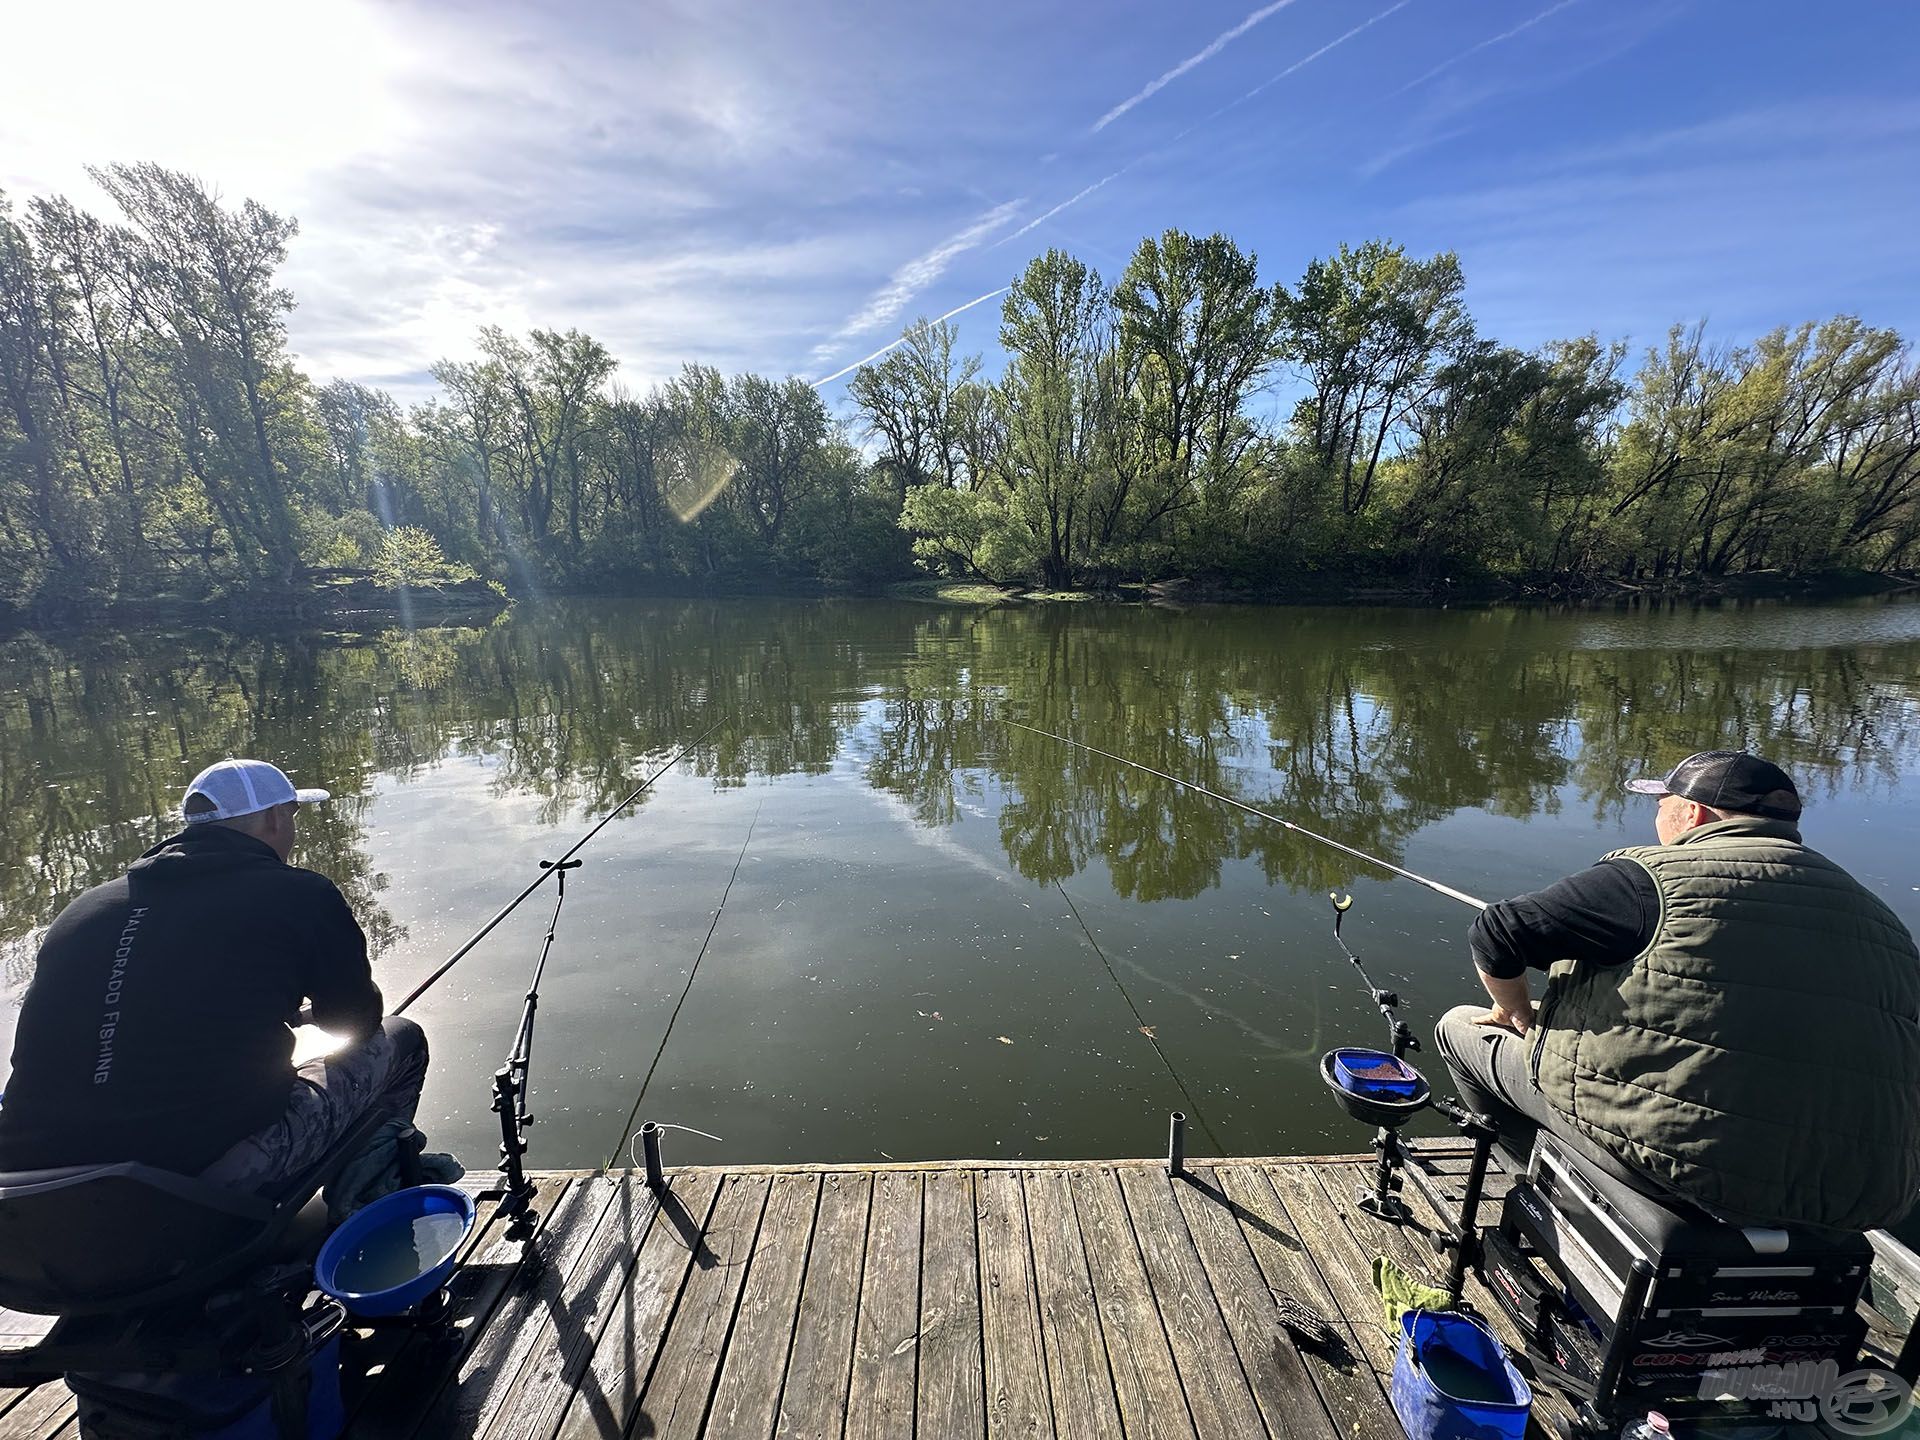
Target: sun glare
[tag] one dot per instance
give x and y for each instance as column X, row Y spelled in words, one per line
column 256, row 97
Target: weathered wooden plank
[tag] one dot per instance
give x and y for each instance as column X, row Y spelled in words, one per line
column 1079, row 1381
column 951, row 1396
column 19, row 1329
column 1275, row 1372
column 1145, row 1383
column 630, row 1277
column 1347, row 1269
column 747, row 1399
column 1203, row 1353
column 563, row 1339
column 458, row 1392
column 41, row 1411
column 1894, row 1288
column 886, row 1348
column 813, row 1401
column 399, row 1371
column 674, row 1403
column 1015, row 1355
column 1347, row 1384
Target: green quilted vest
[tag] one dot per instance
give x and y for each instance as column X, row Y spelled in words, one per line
column 1761, row 1056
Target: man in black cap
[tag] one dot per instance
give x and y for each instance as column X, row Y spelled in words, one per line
column 1729, row 1017
column 157, row 1024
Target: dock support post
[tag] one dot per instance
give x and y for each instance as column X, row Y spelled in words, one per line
column 650, row 1147
column 1177, row 1145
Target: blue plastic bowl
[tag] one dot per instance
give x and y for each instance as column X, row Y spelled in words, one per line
column 395, row 1212
column 1375, row 1073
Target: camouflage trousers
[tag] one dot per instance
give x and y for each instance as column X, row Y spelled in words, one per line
column 385, row 1072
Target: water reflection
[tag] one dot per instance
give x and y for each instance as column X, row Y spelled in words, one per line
column 1367, row 725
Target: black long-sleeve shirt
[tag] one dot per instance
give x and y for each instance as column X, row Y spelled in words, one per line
column 1605, row 914
column 156, row 1025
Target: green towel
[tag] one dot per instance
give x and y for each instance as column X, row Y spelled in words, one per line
column 1400, row 1292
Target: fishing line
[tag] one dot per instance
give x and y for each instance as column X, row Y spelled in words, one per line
column 1193, row 1106
column 1433, row 885
column 547, row 870
column 688, row 988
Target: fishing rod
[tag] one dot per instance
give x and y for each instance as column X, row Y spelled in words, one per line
column 547, row 869
column 1433, row 885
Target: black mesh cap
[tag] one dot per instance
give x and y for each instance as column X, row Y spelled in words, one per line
column 1729, row 780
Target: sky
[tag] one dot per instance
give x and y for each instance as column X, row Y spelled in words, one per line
column 781, row 187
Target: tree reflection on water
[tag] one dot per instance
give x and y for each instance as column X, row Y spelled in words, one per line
column 1367, row 725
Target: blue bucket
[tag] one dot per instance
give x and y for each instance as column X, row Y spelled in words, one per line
column 397, row 1251
column 1452, row 1381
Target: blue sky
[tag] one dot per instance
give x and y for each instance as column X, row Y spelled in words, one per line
column 781, row 186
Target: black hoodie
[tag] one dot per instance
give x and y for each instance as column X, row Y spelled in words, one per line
column 156, row 1025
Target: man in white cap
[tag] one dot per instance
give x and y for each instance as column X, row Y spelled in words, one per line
column 157, row 1024
column 1730, row 1018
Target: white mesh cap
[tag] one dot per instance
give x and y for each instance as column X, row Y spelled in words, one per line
column 242, row 787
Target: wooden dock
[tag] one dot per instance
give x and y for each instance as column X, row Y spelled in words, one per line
column 1070, row 1299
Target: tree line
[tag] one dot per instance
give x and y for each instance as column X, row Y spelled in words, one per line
column 157, row 437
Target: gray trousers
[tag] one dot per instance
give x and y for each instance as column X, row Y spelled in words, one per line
column 384, row 1071
column 1489, row 1069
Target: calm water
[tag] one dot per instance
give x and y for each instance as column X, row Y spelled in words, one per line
column 397, row 1253
column 940, row 929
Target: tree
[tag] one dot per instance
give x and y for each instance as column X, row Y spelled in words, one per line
column 1205, row 333
column 1369, row 329
column 920, row 401
column 42, row 506
column 1050, row 327
column 778, row 430
column 207, row 295
column 551, row 383
column 1504, row 465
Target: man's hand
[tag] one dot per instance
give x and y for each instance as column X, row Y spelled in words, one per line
column 1520, row 1020
column 1512, row 1005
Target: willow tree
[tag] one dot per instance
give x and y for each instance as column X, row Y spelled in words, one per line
column 208, row 297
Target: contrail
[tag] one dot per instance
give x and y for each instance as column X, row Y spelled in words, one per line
column 908, row 335
column 1476, row 49
column 1225, row 39
column 1330, row 45
column 913, row 277
column 1299, row 64
column 1064, row 204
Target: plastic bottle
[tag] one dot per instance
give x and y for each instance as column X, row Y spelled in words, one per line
column 1652, row 1427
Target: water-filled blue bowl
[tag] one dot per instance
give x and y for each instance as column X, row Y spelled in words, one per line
column 388, row 1223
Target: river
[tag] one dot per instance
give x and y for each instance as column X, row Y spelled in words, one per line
column 942, row 936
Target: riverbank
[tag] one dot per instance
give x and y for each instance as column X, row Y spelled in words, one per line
column 344, row 597
column 326, row 598
column 1319, row 588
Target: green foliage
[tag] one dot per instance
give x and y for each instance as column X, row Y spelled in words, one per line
column 410, row 559
column 156, row 439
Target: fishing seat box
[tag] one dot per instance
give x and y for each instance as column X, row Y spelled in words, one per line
column 1675, row 1294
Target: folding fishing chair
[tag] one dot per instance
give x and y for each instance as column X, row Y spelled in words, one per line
column 154, row 1273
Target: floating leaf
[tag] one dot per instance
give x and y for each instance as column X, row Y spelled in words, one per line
column 1147, row 1030
column 1003, row 1040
